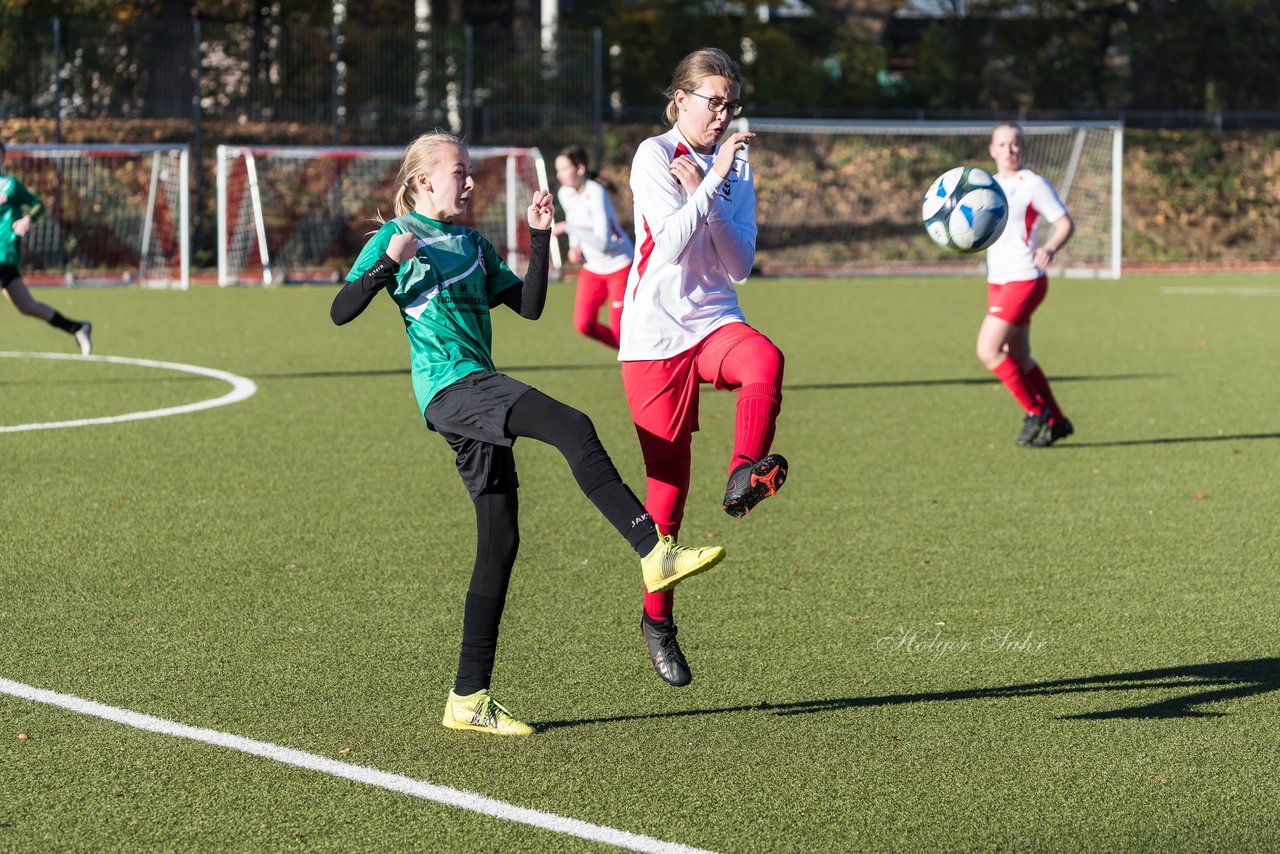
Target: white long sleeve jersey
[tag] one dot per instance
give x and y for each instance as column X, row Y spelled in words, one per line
column 692, row 248
column 594, row 228
column 1030, row 198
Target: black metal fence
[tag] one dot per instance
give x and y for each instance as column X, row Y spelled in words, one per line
column 368, row 85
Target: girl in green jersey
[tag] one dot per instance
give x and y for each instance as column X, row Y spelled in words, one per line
column 18, row 207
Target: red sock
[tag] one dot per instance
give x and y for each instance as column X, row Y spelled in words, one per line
column 659, row 605
column 1010, row 374
column 666, row 488
column 756, row 422
column 1039, row 384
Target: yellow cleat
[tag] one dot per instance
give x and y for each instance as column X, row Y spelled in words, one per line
column 670, row 563
column 482, row 713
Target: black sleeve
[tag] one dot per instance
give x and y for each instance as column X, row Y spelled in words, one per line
column 354, row 297
column 530, row 298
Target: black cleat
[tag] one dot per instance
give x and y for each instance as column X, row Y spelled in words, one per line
column 752, row 483
column 1059, row 428
column 1032, row 426
column 665, row 652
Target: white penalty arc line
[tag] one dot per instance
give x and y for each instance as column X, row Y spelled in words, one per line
column 242, row 388
column 458, row 798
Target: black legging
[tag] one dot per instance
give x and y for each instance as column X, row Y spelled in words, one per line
column 536, row 416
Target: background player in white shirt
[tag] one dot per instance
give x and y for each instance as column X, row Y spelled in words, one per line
column 596, row 241
column 681, row 323
column 1017, row 284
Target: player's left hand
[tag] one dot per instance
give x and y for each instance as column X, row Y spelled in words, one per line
column 22, row 226
column 1042, row 257
column 729, row 149
column 541, row 210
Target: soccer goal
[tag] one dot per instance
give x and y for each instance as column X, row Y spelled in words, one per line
column 845, row 196
column 113, row 214
column 301, row 214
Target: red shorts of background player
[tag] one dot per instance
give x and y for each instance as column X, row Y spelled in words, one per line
column 1014, row 302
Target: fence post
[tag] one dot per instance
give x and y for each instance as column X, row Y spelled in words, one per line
column 335, row 48
column 597, row 101
column 57, row 80
column 197, row 132
column 468, row 82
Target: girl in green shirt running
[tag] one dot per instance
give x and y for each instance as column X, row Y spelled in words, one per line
column 18, row 207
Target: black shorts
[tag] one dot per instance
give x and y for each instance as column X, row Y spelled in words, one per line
column 471, row 415
column 8, row 273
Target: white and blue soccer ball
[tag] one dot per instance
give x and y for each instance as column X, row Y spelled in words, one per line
column 965, row 210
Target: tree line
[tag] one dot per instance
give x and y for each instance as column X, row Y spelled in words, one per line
column 827, row 55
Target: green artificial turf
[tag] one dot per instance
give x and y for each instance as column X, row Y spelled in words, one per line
column 931, row 639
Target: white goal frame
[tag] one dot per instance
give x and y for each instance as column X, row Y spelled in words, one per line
column 80, row 199
column 243, row 223
column 1105, row 224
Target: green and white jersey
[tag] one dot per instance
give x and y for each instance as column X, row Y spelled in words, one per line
column 16, row 198
column 444, row 293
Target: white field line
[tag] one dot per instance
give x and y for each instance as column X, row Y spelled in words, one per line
column 457, row 798
column 1189, row 291
column 242, row 388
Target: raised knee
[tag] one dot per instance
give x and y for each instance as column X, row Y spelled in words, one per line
column 989, row 356
column 581, row 426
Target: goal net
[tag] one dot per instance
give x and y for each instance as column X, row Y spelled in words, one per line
column 302, row 214
column 112, row 214
column 845, row 196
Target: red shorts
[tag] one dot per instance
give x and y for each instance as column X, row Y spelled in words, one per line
column 1014, row 302
column 663, row 393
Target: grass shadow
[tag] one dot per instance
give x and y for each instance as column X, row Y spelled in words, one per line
column 1204, row 684
column 1169, row 440
column 979, row 381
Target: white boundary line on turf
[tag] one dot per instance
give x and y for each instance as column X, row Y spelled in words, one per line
column 242, row 388
column 1188, row 291
column 460, row 799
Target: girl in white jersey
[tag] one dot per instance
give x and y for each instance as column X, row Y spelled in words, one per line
column 445, row 278
column 1017, row 284
column 681, row 323
column 596, row 241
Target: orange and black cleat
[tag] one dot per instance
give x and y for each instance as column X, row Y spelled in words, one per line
column 752, row 483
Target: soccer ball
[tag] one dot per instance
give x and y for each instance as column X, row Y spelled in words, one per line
column 965, row 210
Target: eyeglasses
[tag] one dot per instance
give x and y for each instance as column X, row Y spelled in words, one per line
column 716, row 104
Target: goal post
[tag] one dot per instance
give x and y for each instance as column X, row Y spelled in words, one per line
column 839, row 197
column 113, row 214
column 294, row 214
